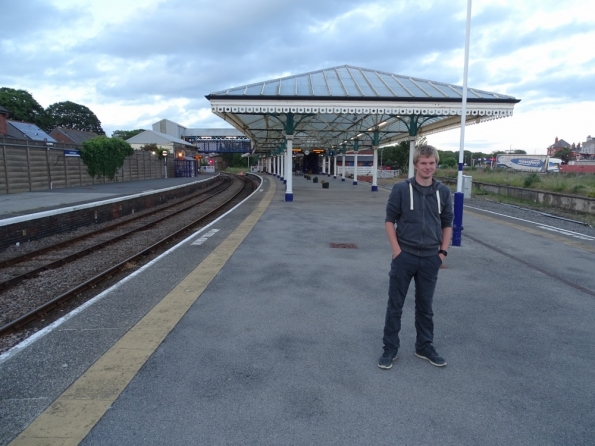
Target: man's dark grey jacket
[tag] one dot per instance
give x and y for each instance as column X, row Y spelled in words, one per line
column 420, row 214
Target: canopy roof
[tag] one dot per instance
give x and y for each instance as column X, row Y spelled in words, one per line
column 153, row 137
column 336, row 106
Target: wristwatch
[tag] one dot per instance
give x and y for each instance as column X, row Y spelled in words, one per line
column 443, row 252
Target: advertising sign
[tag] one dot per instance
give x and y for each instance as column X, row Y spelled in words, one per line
column 526, row 163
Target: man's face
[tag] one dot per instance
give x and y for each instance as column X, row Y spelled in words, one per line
column 426, row 166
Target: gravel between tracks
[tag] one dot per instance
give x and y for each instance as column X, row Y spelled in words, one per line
column 555, row 218
column 34, row 292
column 47, row 284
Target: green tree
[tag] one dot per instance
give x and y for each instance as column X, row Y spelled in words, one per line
column 449, row 162
column 397, row 156
column 103, row 156
column 563, row 154
column 126, row 134
column 23, row 107
column 234, row 159
column 514, row 152
column 227, row 159
column 74, row 116
column 154, row 148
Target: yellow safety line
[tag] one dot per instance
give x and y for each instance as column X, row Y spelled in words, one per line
column 69, row 419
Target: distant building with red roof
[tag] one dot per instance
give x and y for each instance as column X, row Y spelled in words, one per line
column 559, row 144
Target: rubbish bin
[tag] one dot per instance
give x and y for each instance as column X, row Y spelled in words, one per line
column 467, row 186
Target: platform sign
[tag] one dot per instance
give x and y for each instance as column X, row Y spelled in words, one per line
column 72, row 153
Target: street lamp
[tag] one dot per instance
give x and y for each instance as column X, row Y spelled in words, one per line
column 164, row 154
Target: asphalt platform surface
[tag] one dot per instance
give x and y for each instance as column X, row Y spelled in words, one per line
column 12, row 205
column 281, row 347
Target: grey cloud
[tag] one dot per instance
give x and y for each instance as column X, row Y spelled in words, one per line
column 25, row 20
column 207, row 48
column 228, row 28
column 191, row 49
column 519, row 38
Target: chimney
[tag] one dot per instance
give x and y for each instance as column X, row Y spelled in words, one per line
column 3, row 118
column 556, row 140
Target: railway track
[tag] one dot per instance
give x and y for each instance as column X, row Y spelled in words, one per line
column 33, row 285
column 30, row 264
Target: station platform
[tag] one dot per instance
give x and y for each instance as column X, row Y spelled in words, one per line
column 266, row 327
column 26, row 203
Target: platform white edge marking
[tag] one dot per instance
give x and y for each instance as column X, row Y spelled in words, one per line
column 37, row 215
column 41, row 333
column 541, row 225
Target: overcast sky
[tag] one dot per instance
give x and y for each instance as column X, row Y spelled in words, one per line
column 135, row 62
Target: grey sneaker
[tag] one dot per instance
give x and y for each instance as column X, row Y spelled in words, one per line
column 387, row 359
column 431, row 355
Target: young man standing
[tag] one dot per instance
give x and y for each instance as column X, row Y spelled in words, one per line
column 421, row 208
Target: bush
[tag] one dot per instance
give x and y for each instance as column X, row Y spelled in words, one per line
column 104, row 156
column 531, row 179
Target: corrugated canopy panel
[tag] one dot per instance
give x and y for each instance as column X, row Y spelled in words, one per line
column 336, row 106
column 353, row 82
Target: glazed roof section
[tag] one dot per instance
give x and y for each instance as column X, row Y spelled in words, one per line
column 356, row 83
column 341, row 105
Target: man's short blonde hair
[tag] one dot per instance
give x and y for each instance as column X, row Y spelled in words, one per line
column 425, row 150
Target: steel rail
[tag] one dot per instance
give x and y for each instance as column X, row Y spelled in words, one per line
column 20, row 258
column 57, row 301
column 86, row 251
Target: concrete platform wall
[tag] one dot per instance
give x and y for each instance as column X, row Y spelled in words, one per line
column 60, row 222
column 553, row 199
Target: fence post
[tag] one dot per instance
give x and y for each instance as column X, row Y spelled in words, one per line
column 65, row 168
column 28, row 166
column 48, row 164
column 5, row 166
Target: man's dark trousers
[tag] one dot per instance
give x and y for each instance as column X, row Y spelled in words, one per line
column 424, row 271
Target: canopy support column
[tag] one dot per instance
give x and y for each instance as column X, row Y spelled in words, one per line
column 289, row 131
column 375, row 169
column 277, row 165
column 343, row 150
column 335, row 167
column 355, row 149
column 413, row 128
column 289, row 168
column 411, row 172
column 328, row 159
column 375, row 144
